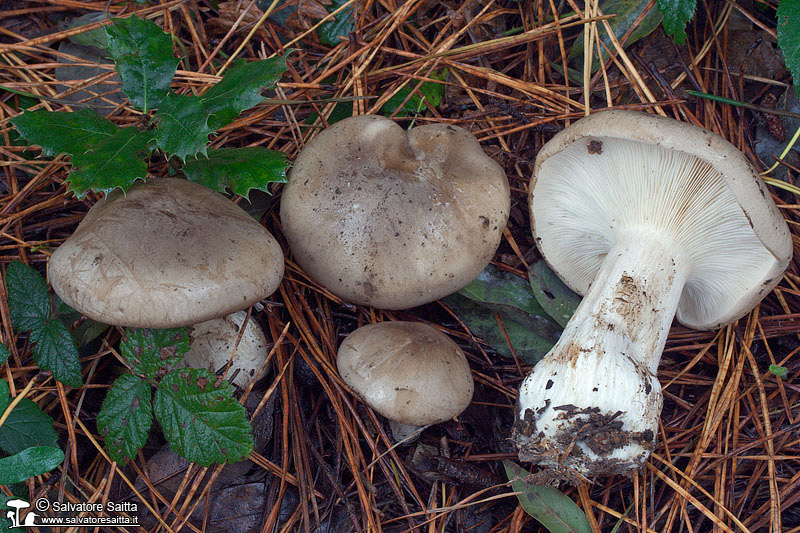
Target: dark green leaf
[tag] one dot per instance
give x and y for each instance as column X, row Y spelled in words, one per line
column 87, row 329
column 331, row 31
column 97, row 37
column 117, row 161
column 28, row 297
column 238, row 169
column 143, row 54
column 240, row 89
column 182, row 126
column 27, row 425
column 676, row 14
column 201, row 419
column 432, row 94
column 558, row 301
column 5, row 396
column 789, row 37
column 778, row 371
column 554, row 510
column 340, row 111
column 4, row 354
column 152, row 352
column 125, row 417
column 64, row 132
column 28, row 463
column 55, row 351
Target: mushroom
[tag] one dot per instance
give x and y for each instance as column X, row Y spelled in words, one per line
column 650, row 219
column 169, row 253
column 390, row 218
column 411, row 373
column 212, row 343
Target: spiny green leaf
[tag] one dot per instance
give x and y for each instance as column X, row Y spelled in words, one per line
column 117, row 161
column 182, row 126
column 125, row 417
column 340, row 26
column 432, row 94
column 240, row 89
column 55, row 350
column 143, row 55
column 64, row 132
column 4, row 354
column 554, row 510
column 789, row 37
column 28, row 463
column 238, row 169
column 676, row 14
column 778, row 371
column 27, row 425
column 558, row 301
column 28, row 297
column 152, row 352
column 201, row 419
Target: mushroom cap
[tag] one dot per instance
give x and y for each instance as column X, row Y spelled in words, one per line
column 212, row 344
column 618, row 169
column 169, row 253
column 409, row 372
column 390, row 218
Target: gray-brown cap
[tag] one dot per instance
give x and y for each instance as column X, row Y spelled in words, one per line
column 169, row 253
column 409, row 372
column 390, row 218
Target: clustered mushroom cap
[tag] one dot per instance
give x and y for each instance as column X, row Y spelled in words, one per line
column 408, row 372
column 168, row 253
column 390, row 218
column 620, row 169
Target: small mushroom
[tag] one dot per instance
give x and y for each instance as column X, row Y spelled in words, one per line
column 212, row 345
column 651, row 219
column 390, row 218
column 168, row 253
column 411, row 373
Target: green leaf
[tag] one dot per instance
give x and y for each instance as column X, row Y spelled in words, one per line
column 26, row 426
column 125, row 417
column 97, row 37
column 28, row 463
column 238, row 169
column 4, row 354
column 626, row 12
column 117, row 161
column 64, row 132
column 676, row 14
column 557, row 300
column 778, row 371
column 86, row 331
column 789, row 37
column 143, row 55
column 55, row 350
column 28, row 297
column 553, row 509
column 5, row 396
column 240, row 89
column 182, row 126
column 432, row 94
column 201, row 419
column 340, row 26
column 153, row 352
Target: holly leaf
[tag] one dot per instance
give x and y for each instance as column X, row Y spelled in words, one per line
column 182, row 126
column 143, row 56
column 117, row 161
column 28, row 463
column 64, row 132
column 342, row 24
column 55, row 350
column 153, row 352
column 28, row 297
column 27, row 425
column 240, row 89
column 238, row 169
column 676, row 14
column 201, row 419
column 789, row 37
column 125, row 417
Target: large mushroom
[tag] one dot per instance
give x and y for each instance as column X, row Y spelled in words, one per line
column 651, row 219
column 390, row 218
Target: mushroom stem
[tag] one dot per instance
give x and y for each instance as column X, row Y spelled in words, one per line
column 591, row 406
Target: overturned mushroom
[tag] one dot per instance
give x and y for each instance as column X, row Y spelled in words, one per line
column 394, row 219
column 650, row 219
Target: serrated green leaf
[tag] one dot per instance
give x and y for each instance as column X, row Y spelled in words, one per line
column 340, row 26
column 86, row 331
column 26, row 426
column 125, row 417
column 63, row 132
column 182, row 126
column 28, row 463
column 28, row 297
column 778, row 371
column 553, row 509
column 432, row 94
column 55, row 350
column 152, row 352
column 788, row 16
column 143, row 55
column 626, row 12
column 676, row 14
column 117, row 161
column 240, row 89
column 238, row 169
column 201, row 419
column 4, row 354
column 557, row 300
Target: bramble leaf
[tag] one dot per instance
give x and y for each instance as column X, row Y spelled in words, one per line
column 28, row 463
column 182, row 126
column 143, row 55
column 27, row 425
column 117, row 161
column 789, row 37
column 201, row 419
column 64, row 132
column 28, row 297
column 676, row 14
column 153, row 352
column 55, row 350
column 340, row 26
column 125, row 417
column 238, row 169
